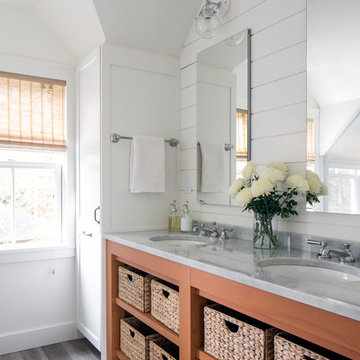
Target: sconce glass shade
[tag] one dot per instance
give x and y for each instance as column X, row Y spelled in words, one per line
column 207, row 23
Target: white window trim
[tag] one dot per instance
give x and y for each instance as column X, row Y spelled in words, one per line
column 38, row 253
column 33, row 67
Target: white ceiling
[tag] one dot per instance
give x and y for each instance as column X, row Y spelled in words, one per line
column 75, row 22
column 28, row 36
column 333, row 50
column 347, row 145
column 20, row 3
column 154, row 25
column 81, row 25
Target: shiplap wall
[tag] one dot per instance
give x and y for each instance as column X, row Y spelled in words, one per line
column 278, row 97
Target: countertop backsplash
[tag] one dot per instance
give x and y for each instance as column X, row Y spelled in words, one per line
column 290, row 240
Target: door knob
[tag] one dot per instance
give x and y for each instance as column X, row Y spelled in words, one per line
column 87, row 234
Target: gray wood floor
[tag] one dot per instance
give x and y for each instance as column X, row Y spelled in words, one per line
column 70, row 350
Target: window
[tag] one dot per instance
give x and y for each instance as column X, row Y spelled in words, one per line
column 310, row 152
column 241, row 140
column 32, row 127
column 344, row 188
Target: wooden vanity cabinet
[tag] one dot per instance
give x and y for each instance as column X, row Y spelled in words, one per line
column 196, row 288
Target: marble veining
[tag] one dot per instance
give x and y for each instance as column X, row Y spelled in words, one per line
column 240, row 262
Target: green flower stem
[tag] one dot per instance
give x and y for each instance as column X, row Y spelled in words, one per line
column 264, row 230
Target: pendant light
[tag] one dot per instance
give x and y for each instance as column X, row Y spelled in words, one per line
column 207, row 21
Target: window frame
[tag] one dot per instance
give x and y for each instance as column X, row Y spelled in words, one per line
column 59, row 199
column 48, row 69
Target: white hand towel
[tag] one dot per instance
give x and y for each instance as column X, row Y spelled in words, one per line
column 212, row 167
column 147, row 164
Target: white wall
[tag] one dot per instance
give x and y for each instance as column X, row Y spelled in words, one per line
column 139, row 97
column 37, row 308
column 278, row 94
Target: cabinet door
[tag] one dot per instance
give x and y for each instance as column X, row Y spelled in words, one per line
column 89, row 286
column 89, row 143
column 89, row 239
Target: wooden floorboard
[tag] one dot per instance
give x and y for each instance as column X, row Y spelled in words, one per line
column 70, row 350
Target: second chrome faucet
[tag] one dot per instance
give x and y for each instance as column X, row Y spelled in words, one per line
column 345, row 256
column 213, row 232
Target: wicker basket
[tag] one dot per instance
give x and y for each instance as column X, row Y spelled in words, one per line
column 230, row 335
column 134, row 287
column 165, row 303
column 135, row 337
column 163, row 349
column 290, row 347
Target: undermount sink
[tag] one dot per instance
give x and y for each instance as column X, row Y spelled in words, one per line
column 307, row 274
column 310, row 269
column 179, row 240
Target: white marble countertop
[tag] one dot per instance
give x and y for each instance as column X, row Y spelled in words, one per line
column 239, row 262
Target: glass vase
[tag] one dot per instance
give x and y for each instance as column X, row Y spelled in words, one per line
column 265, row 231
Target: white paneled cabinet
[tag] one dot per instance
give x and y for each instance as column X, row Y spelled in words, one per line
column 89, row 268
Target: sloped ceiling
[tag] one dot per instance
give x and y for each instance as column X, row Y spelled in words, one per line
column 75, row 22
column 26, row 35
column 154, row 25
column 82, row 25
column 63, row 31
column 333, row 50
column 21, row 3
column 347, row 145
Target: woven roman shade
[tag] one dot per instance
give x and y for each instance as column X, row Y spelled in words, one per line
column 310, row 153
column 242, row 134
column 32, row 111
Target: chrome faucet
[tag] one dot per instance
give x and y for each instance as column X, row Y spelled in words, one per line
column 224, row 235
column 345, row 256
column 208, row 232
column 197, row 227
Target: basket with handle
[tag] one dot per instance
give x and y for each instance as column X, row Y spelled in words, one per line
column 230, row 335
column 135, row 338
column 163, row 349
column 134, row 287
column 165, row 303
column 290, row 347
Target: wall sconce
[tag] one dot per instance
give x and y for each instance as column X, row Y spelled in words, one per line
column 207, row 21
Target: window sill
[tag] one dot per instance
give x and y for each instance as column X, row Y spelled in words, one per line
column 36, row 253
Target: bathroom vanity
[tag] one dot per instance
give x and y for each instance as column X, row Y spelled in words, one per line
column 236, row 277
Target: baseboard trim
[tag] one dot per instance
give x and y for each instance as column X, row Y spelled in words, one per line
column 89, row 335
column 36, row 337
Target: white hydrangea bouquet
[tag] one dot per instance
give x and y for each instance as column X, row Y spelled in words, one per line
column 271, row 193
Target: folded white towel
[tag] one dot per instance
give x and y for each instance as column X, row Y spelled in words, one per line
column 212, row 167
column 147, row 164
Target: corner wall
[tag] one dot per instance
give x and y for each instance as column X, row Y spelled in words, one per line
column 278, row 100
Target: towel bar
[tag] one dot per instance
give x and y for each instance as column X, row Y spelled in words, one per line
column 115, row 138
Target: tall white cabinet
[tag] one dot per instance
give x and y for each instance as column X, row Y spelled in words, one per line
column 129, row 92
column 88, row 200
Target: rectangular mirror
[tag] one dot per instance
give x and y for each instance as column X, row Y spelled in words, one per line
column 333, row 102
column 223, row 117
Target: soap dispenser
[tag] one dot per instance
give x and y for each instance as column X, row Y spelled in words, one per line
column 174, row 218
column 186, row 222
